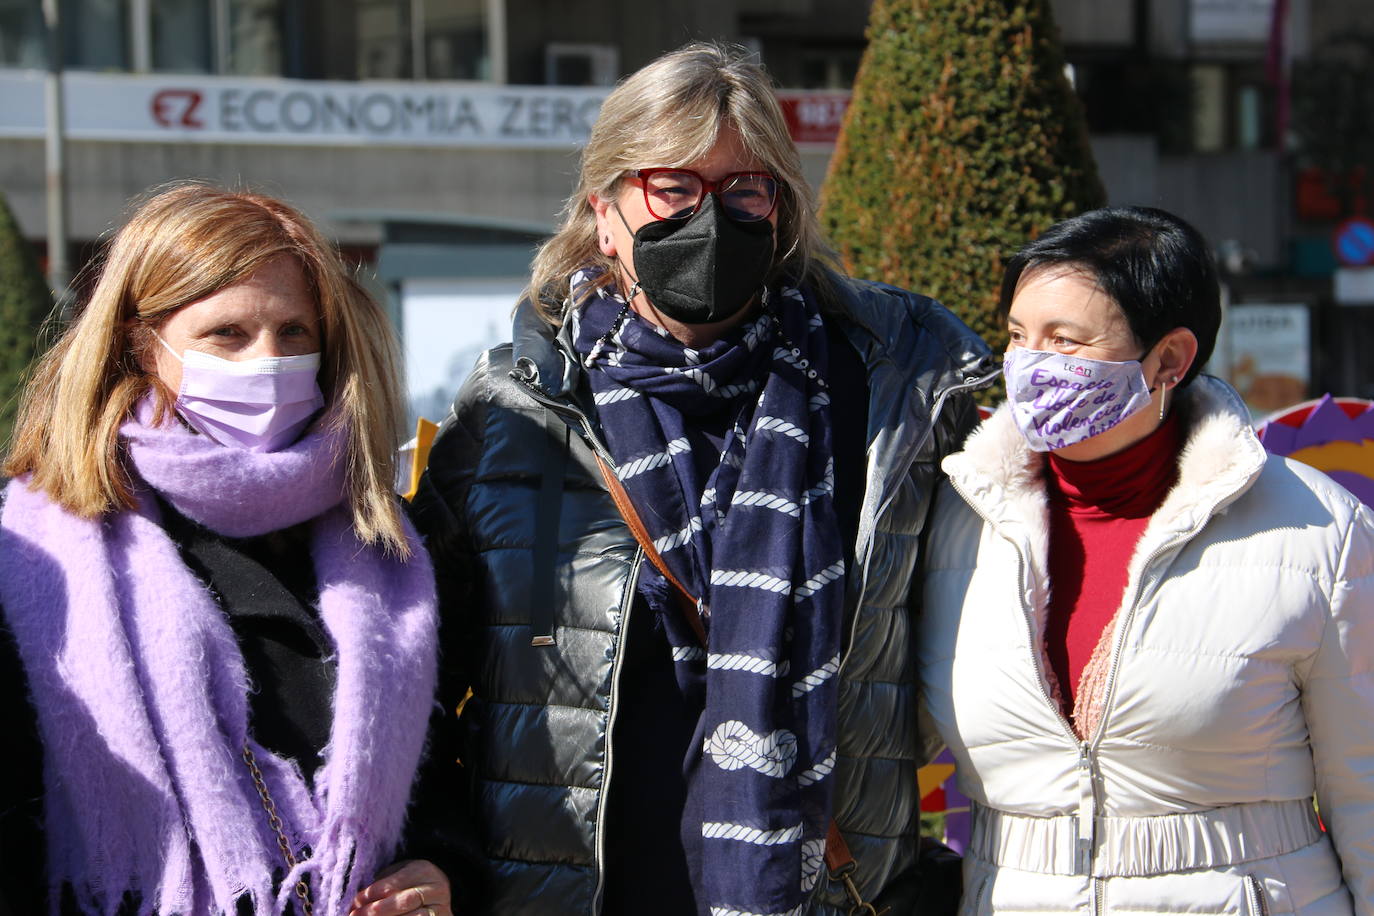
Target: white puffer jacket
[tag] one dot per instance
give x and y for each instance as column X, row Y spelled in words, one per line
column 1242, row 682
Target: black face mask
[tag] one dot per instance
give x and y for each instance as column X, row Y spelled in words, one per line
column 705, row 268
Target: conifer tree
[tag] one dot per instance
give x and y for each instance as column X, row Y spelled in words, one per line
column 963, row 140
column 24, row 305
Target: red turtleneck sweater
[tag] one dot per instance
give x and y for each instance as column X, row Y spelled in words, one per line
column 1098, row 511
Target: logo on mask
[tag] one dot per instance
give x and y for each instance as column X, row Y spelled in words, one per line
column 1058, row 401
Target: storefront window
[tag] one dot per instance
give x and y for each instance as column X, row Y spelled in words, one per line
column 455, row 40
column 180, row 31
column 21, row 34
column 422, row 39
column 383, row 39
column 255, row 37
column 347, row 39
column 1209, row 108
column 95, row 34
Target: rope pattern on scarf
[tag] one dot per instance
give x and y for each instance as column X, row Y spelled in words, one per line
column 751, row 663
column 751, row 530
column 734, row 745
column 713, row 830
column 816, row 678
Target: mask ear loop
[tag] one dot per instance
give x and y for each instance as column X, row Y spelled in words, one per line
column 168, row 347
column 635, row 287
column 604, row 340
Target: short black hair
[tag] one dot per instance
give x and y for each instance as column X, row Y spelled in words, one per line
column 1153, row 265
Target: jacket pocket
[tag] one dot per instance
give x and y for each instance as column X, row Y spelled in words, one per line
column 1256, row 897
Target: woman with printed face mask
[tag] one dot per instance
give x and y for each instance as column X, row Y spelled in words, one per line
column 226, row 626
column 1145, row 640
column 643, row 513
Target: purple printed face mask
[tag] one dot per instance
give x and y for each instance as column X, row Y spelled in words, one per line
column 261, row 405
column 1060, row 400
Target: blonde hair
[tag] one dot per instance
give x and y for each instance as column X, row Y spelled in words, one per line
column 671, row 113
column 183, row 243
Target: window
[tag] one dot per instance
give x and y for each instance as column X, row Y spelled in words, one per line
column 1232, row 108
column 568, row 64
column 422, row 39
column 179, row 32
column 252, row 36
column 340, row 39
column 1209, row 108
column 830, row 69
column 383, row 39
column 95, row 34
column 454, row 42
column 22, row 34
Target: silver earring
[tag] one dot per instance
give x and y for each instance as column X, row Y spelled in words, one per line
column 1164, row 396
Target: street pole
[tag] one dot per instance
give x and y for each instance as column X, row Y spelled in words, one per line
column 59, row 269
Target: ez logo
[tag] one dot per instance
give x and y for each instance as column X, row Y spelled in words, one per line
column 177, row 108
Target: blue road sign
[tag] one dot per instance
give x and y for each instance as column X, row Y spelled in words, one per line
column 1354, row 242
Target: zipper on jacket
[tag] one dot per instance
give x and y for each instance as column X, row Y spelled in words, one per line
column 1256, row 897
column 1085, row 822
column 584, row 423
column 1099, row 897
column 970, row 383
column 631, row 587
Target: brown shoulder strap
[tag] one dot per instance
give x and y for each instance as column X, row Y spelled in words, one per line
column 690, row 604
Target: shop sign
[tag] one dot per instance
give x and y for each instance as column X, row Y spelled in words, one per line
column 814, row 117
column 1230, row 21
column 1267, row 348
column 207, row 109
column 303, row 112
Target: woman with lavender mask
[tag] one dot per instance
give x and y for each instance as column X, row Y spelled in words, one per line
column 1144, row 639
column 218, row 627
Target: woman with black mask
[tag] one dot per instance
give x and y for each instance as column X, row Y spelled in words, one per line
column 661, row 517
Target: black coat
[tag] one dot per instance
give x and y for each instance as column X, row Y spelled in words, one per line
column 527, row 542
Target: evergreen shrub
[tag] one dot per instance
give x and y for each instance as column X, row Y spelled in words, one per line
column 963, row 140
column 25, row 304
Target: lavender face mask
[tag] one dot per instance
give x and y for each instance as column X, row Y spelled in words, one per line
column 1060, row 400
column 261, row 405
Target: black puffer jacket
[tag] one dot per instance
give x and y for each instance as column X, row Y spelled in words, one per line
column 528, row 545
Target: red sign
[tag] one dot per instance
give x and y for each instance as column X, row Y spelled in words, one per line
column 814, row 117
column 1315, row 201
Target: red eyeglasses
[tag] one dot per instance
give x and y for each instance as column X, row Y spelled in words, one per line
column 678, row 193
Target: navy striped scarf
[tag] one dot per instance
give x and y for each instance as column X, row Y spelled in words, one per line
column 758, row 540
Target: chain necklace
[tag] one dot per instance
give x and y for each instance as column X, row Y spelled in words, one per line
column 274, row 821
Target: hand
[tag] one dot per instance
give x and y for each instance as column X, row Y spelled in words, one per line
column 411, row 888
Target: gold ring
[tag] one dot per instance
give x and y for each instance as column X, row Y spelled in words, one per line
column 423, row 906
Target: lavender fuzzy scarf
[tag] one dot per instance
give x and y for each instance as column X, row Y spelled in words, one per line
column 141, row 692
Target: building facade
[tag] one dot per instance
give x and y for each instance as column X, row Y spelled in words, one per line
column 437, row 139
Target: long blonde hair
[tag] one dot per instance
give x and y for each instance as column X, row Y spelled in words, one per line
column 183, row 243
column 670, row 113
